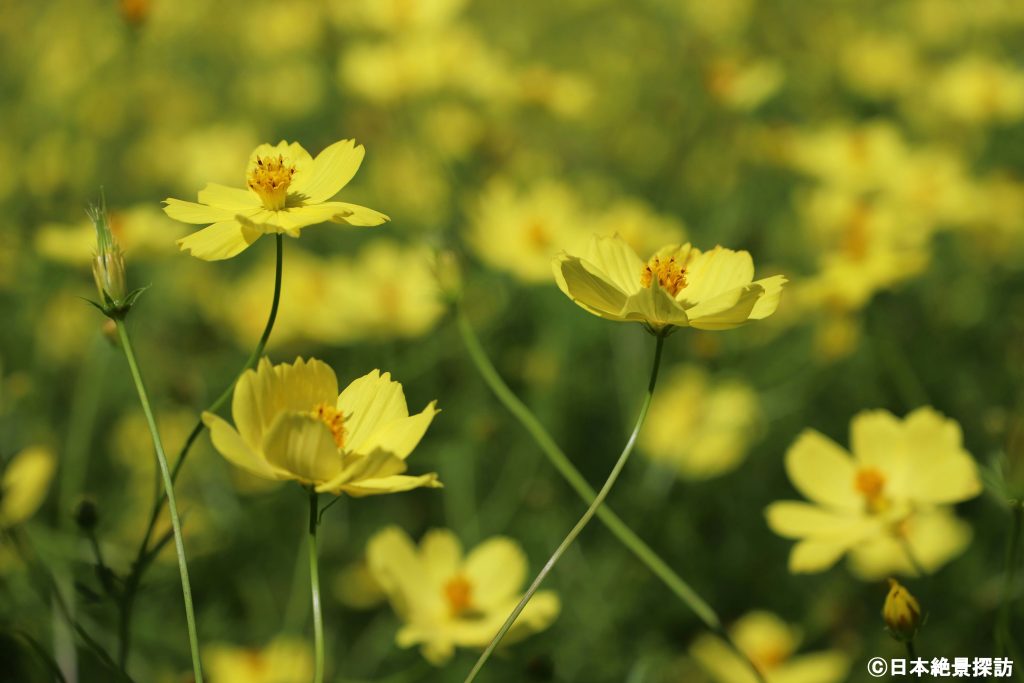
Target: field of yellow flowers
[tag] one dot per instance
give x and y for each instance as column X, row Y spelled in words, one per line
column 399, row 341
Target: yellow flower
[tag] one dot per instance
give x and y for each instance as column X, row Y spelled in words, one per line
column 887, row 499
column 287, row 191
column 770, row 643
column 678, row 286
column 699, row 427
column 24, row 483
column 293, row 425
column 901, row 612
column 447, row 600
column 284, row 660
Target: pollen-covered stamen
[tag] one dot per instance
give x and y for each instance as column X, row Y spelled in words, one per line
column 270, row 178
column 459, row 594
column 871, row 484
column 670, row 274
column 335, row 421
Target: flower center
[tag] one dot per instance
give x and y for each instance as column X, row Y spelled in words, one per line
column 870, row 483
column 537, row 236
column 459, row 593
column 270, row 179
column 335, row 421
column 670, row 274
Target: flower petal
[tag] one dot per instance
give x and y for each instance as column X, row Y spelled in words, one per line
column 715, row 272
column 442, row 557
column 400, row 436
column 332, row 169
column 25, row 482
column 359, row 216
column 589, row 290
column 727, row 310
column 305, row 384
column 394, row 484
column 219, row 241
column 230, row 444
column 794, row 519
column 816, row 555
column 368, row 403
column 497, row 570
column 293, row 154
column 229, row 198
column 941, row 471
column 769, row 300
column 616, row 261
column 395, row 564
column 302, row 446
column 822, row 471
column 198, row 214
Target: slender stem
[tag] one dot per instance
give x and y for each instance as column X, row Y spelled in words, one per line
column 912, row 557
column 584, row 520
column 146, row 554
column 314, row 583
column 911, row 650
column 172, row 505
column 1004, row 638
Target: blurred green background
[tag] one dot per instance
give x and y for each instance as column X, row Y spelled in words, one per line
column 870, row 151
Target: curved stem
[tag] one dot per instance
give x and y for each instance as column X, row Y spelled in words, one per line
column 146, row 554
column 172, row 506
column 314, row 582
column 584, row 520
column 586, row 492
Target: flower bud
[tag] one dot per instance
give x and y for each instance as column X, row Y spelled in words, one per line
column 86, row 515
column 108, row 263
column 901, row 612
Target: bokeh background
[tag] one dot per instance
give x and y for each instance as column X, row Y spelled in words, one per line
column 870, row 151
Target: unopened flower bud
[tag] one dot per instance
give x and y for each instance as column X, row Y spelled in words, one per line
column 901, row 612
column 108, row 263
column 86, row 515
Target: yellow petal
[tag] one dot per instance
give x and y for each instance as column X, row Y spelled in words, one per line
column 816, row 555
column 538, row 614
column 941, row 471
column 219, row 241
column 769, row 300
column 394, row 563
column 715, row 272
column 368, row 403
column 616, row 262
column 293, row 154
column 726, row 310
column 874, row 435
column 359, row 216
column 656, row 306
column 442, row 557
column 818, row 667
column 587, row 289
column 198, row 214
column 234, row 449
column 823, row 471
column 255, row 403
column 305, row 384
column 400, row 436
column 303, row 447
column 935, row 537
column 332, row 169
column 497, row 570
column 394, row 484
column 230, row 198
column 794, row 519
column 356, row 468
column 24, row 484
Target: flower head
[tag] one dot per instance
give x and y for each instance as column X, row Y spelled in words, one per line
column 448, row 600
column 291, row 423
column 887, row 500
column 770, row 644
column 901, row 612
column 284, row 660
column 23, row 484
column 678, row 286
column 286, row 191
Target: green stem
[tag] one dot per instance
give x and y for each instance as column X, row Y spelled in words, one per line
column 584, row 520
column 911, row 650
column 1004, row 634
column 145, row 555
column 172, row 505
column 314, row 583
column 912, row 557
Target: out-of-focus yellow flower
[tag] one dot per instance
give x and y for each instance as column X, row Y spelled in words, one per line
column 446, row 600
column 284, row 660
column 859, row 158
column 141, row 231
column 743, row 85
column 880, row 65
column 901, row 612
column 701, row 429
column 355, row 587
column 293, row 425
column 979, row 90
column 770, row 644
column 397, row 15
column 642, row 228
column 23, row 484
column 519, row 232
column 886, row 501
column 288, row 190
column 678, row 286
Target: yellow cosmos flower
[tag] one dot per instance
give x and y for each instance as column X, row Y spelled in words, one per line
column 283, row 660
column 293, row 425
column 24, row 483
column 770, row 643
column 287, row 190
column 678, row 286
column 448, row 600
column 886, row 501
